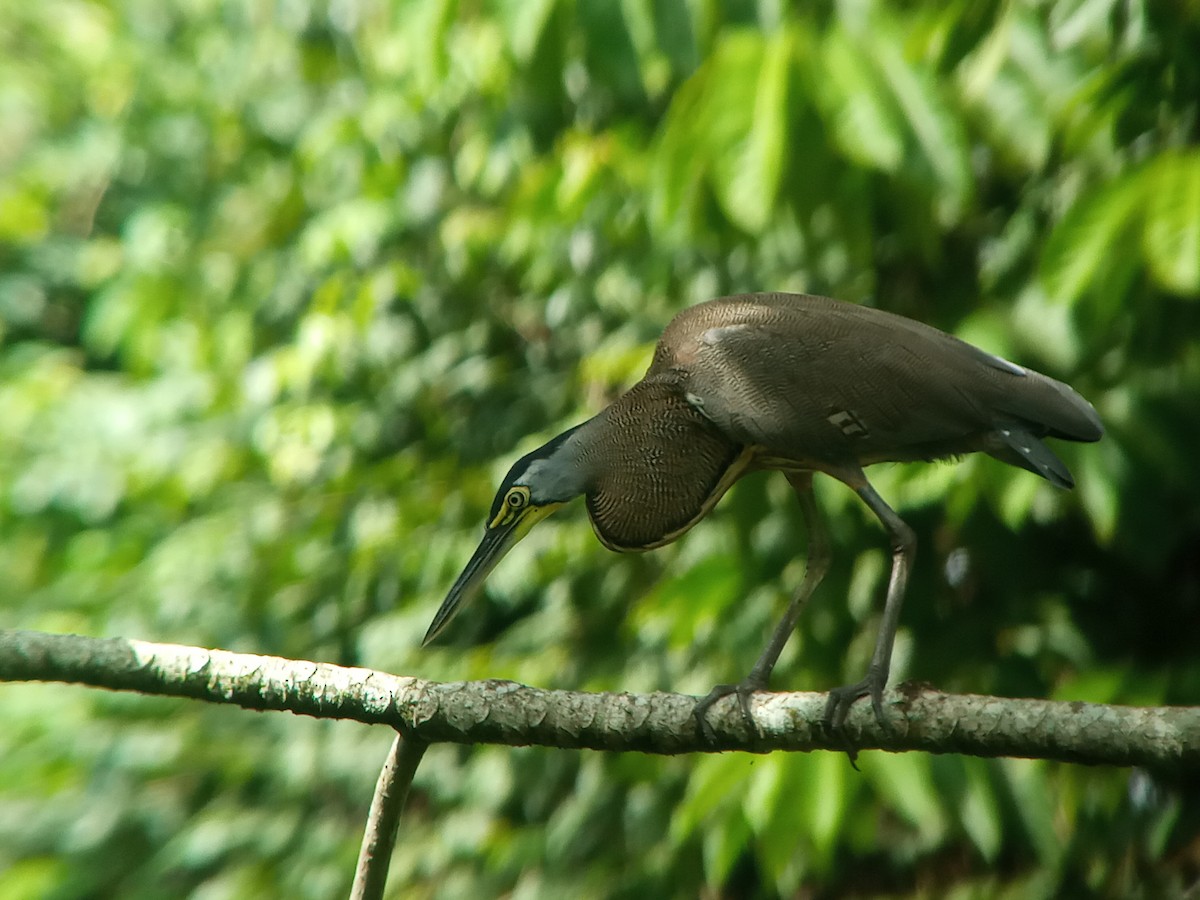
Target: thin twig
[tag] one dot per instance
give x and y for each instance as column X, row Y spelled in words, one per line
column 383, row 821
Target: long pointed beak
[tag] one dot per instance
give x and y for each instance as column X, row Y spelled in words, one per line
column 495, row 544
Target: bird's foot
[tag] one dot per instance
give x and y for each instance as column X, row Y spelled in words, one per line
column 842, row 698
column 743, row 690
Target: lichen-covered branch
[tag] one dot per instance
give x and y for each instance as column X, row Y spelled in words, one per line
column 503, row 712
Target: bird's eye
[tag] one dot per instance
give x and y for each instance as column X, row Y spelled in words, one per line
column 516, row 499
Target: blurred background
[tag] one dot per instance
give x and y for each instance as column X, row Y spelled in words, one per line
column 285, row 287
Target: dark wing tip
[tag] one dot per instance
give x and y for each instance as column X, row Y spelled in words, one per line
column 1019, row 447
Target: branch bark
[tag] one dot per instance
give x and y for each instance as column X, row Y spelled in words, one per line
column 503, row 712
column 383, row 821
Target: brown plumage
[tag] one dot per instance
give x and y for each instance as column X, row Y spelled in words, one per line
column 796, row 383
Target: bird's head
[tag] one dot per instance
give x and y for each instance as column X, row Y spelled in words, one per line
column 536, row 485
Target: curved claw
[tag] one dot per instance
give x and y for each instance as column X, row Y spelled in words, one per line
column 842, row 698
column 743, row 690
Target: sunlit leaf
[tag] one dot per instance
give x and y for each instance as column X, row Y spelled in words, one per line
column 938, row 134
column 1098, row 493
column 749, row 157
column 827, row 776
column 979, row 810
column 863, row 122
column 903, row 780
column 1171, row 239
column 678, row 168
column 525, row 23
column 1099, row 226
column 715, row 782
column 763, row 792
column 730, row 123
column 722, row 848
column 1027, row 783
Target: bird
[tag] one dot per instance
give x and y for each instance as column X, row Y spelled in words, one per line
column 797, row 383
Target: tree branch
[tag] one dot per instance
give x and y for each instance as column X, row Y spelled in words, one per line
column 383, row 821
column 503, row 712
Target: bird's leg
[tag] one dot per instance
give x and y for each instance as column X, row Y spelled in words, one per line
column 904, row 546
column 815, row 569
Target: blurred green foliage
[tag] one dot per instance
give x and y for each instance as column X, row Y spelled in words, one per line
column 285, row 286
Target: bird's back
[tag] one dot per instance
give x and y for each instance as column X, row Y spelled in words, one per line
column 818, row 380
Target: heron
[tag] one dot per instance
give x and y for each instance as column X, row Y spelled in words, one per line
column 797, row 383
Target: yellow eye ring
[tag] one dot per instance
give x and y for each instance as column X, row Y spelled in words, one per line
column 516, row 499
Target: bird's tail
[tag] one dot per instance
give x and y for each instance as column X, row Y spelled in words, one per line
column 1042, row 407
column 1018, row 446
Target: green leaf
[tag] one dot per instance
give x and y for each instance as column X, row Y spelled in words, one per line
column 826, row 805
column 612, row 59
column 1081, row 247
column 867, row 128
column 747, row 170
column 979, row 809
column 714, row 786
column 38, row 877
column 23, row 216
column 723, row 846
column 937, row 131
column 763, row 793
column 677, row 169
column 905, row 780
column 1098, row 493
column 1171, row 238
column 729, row 124
column 524, row 23
column 1014, row 116
column 1035, row 807
column 430, row 24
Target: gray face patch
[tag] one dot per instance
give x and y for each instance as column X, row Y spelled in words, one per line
column 552, row 479
column 539, row 472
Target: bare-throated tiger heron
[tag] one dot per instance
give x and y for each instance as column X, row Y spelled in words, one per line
column 792, row 382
